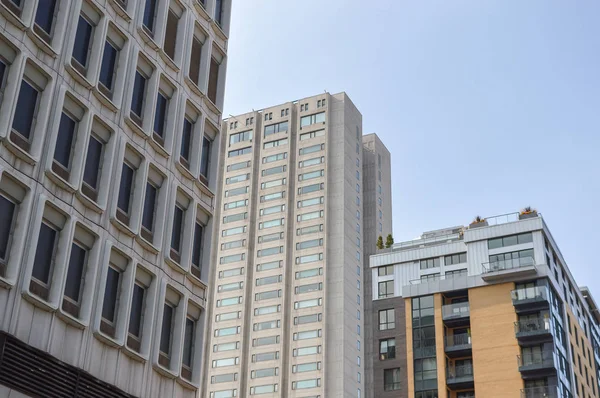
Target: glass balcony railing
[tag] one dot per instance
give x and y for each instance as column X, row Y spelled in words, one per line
column 456, row 310
column 532, row 326
column 540, row 392
column 460, row 372
column 536, row 359
column 538, row 293
column 458, row 340
column 504, row 265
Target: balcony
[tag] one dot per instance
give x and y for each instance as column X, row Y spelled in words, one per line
column 530, row 298
column 509, row 269
column 460, row 377
column 535, row 330
column 456, row 314
column 540, row 392
column 537, row 364
column 458, row 345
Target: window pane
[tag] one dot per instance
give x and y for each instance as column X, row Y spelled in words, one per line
column 25, row 111
column 186, row 139
column 219, row 12
column 149, row 206
column 205, row 161
column 165, row 334
column 213, row 80
column 64, row 141
column 45, row 14
column 7, row 210
column 137, row 303
column 109, row 61
column 75, row 272
column 161, row 113
column 139, row 87
column 171, row 34
column 125, row 188
column 197, row 249
column 92, row 163
column 195, row 60
column 111, row 291
column 188, row 343
column 82, row 41
column 44, row 253
column 177, row 224
column 149, row 12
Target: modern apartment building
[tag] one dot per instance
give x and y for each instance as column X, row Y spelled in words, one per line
column 288, row 310
column 110, row 117
column 487, row 310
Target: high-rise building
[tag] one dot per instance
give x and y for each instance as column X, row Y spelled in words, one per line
column 488, row 310
column 109, row 144
column 288, row 311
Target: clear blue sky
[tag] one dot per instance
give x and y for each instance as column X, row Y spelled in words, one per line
column 486, row 106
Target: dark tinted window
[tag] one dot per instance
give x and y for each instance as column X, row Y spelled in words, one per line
column 137, row 101
column 205, row 160
column 149, row 206
column 165, row 333
column 44, row 253
column 75, row 272
column 25, row 111
column 92, row 163
column 186, row 139
column 219, row 12
column 197, row 248
column 195, row 60
column 109, row 305
column 171, row 34
column 2, row 72
column 45, row 14
column 64, row 141
column 109, row 62
column 161, row 114
column 188, row 343
column 125, row 188
column 149, row 12
column 7, row 211
column 137, row 306
column 82, row 41
column 213, row 80
column 177, row 225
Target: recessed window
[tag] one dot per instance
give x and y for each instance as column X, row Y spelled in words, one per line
column 7, row 219
column 186, row 142
column 137, row 99
column 387, row 319
column 83, row 43
column 44, row 19
column 125, row 192
column 136, row 316
column 110, row 302
column 108, row 67
column 165, row 334
column 188, row 348
column 391, row 379
column 171, row 33
column 178, row 216
column 197, row 249
column 43, row 263
column 93, row 167
column 149, row 211
column 25, row 114
column 387, row 349
column 149, row 15
column 16, row 6
column 75, row 273
column 196, row 55
column 205, row 158
column 160, row 117
column 219, row 12
column 64, row 145
column 213, row 76
column 386, row 289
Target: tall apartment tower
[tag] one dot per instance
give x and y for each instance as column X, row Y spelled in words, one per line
column 110, row 120
column 377, row 183
column 288, row 307
column 488, row 310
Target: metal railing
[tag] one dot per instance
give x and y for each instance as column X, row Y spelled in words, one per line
column 502, row 218
column 536, row 358
column 534, row 325
column 436, row 240
column 461, row 339
column 530, row 293
column 540, row 392
column 436, row 278
column 503, row 265
column 461, row 371
column 457, row 310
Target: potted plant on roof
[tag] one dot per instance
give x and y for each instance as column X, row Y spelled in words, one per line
column 528, row 212
column 478, row 222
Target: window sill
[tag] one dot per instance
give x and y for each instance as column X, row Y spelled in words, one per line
column 118, row 7
column 121, row 226
column 169, row 61
column 136, row 127
column 194, row 87
column 18, row 151
column 164, row 371
column 190, row 385
column 147, row 37
column 58, row 180
column 212, row 106
column 184, row 170
column 174, row 264
column 37, row 301
column 218, row 30
column 207, row 196
column 196, row 281
column 89, row 203
column 136, row 356
column 107, row 339
column 7, row 283
column 41, row 43
column 201, row 10
column 104, row 99
column 147, row 245
column 77, row 75
column 158, row 147
column 71, row 320
column 12, row 17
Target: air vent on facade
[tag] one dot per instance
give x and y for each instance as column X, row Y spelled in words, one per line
column 38, row 374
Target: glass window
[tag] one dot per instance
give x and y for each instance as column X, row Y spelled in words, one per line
column 386, row 270
column 149, row 14
column 166, row 328
column 137, row 306
column 386, row 289
column 149, row 207
column 109, row 63
column 387, row 319
column 83, row 36
column 387, row 349
column 160, row 115
column 64, row 141
column 44, row 17
column 125, row 188
column 188, row 343
column 111, row 292
column 177, row 228
column 391, row 379
column 93, row 159
column 25, row 111
column 139, row 89
column 42, row 265
column 75, row 271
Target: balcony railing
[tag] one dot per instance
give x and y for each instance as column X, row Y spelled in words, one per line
column 530, row 293
column 459, row 372
column 456, row 310
column 540, row 392
column 537, row 359
column 532, row 326
column 462, row 339
column 504, row 265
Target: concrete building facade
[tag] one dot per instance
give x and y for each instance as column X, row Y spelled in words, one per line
column 109, row 147
column 289, row 301
column 491, row 310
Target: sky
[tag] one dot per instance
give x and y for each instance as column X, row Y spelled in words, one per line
column 487, row 106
